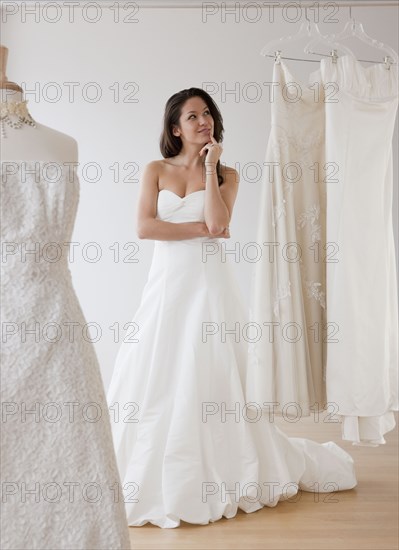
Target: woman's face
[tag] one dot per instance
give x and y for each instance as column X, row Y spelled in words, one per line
column 195, row 122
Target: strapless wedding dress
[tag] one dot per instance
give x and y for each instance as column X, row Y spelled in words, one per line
column 188, row 448
column 59, row 475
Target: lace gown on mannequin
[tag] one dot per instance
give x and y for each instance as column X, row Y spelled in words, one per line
column 59, row 474
column 286, row 365
column 187, row 446
column 362, row 361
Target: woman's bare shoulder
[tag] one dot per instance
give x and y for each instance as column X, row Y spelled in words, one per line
column 153, row 164
column 154, row 168
column 159, row 165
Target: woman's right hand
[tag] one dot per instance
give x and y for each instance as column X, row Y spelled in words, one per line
column 225, row 234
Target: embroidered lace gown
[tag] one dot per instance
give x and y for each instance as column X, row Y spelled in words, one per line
column 329, row 285
column 287, row 363
column 58, row 469
column 188, row 448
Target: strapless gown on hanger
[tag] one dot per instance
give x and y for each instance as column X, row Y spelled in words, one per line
column 331, row 286
column 363, row 360
column 187, row 446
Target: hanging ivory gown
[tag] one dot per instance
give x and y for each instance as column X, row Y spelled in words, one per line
column 286, row 364
column 340, row 221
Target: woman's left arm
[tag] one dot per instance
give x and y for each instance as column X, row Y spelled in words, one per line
column 219, row 200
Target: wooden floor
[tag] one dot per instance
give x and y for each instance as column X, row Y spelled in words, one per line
column 363, row 518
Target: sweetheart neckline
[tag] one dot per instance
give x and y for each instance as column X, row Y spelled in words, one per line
column 185, row 196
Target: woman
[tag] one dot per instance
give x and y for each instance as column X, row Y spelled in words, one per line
column 186, row 445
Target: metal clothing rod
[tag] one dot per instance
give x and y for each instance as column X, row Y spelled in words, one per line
column 327, row 55
column 294, row 58
column 364, row 60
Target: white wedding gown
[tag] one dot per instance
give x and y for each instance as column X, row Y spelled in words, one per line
column 331, row 287
column 59, row 475
column 362, row 297
column 187, row 447
column 289, row 287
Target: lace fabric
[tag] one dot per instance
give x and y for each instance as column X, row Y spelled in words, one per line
column 289, row 289
column 57, row 456
column 330, row 198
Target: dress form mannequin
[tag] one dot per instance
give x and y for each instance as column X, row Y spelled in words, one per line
column 40, row 193
column 27, row 142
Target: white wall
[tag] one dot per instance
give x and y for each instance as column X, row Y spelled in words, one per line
column 162, row 52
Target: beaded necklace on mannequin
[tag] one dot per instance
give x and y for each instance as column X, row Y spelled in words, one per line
column 15, row 114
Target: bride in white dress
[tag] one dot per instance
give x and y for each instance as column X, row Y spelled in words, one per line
column 188, row 448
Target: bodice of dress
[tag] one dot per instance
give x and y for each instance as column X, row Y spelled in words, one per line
column 173, row 208
column 372, row 83
column 39, row 204
column 176, row 209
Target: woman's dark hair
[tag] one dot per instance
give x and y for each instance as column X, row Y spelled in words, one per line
column 171, row 145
